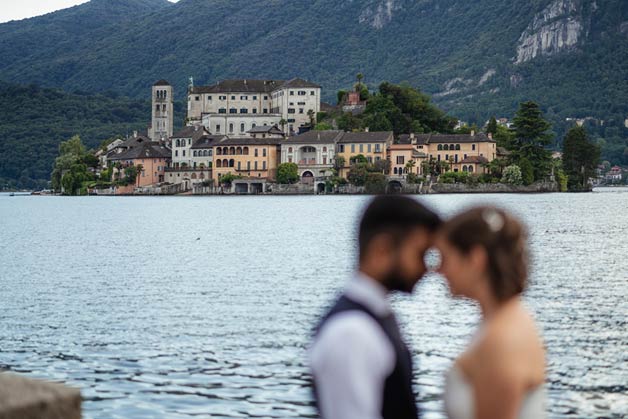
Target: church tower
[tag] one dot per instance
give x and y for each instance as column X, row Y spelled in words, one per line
column 162, row 121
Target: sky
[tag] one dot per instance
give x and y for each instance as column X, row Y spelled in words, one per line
column 22, row 9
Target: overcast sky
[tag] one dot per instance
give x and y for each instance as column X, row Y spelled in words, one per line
column 21, row 9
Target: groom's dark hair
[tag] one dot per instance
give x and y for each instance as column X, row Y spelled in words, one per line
column 394, row 215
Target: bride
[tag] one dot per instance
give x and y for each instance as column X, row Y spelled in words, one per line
column 501, row 374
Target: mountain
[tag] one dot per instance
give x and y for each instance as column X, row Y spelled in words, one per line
column 476, row 59
column 34, row 120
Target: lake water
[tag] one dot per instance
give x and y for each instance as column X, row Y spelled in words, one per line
column 195, row 307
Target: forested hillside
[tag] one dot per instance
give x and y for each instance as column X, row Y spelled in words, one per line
column 476, row 59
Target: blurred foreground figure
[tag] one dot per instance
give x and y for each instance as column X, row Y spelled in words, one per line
column 362, row 368
column 502, row 372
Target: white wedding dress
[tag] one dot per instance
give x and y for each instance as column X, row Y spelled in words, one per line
column 459, row 401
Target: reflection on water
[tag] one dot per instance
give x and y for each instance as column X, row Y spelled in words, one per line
column 199, row 307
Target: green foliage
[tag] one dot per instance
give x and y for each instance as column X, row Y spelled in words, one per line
column 34, row 121
column 454, row 177
column 504, row 137
column 359, row 158
column 322, row 126
column 580, row 159
column 70, row 171
column 491, row 128
column 228, row 178
column 512, row 175
column 531, row 141
column 357, row 174
column 527, row 171
column 375, row 183
column 287, row 173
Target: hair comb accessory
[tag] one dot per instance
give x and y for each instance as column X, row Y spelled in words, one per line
column 493, row 219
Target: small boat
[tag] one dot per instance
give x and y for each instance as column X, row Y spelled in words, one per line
column 12, row 194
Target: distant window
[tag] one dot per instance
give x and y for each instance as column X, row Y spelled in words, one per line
column 368, row 148
column 244, row 97
column 218, row 128
column 400, row 159
column 233, row 110
column 473, row 147
column 254, row 97
column 291, row 92
column 222, row 110
column 341, row 148
column 302, row 92
column 254, row 110
column 264, row 165
column 209, row 98
column 231, row 128
column 232, row 97
column 256, row 153
column 265, row 97
column 263, row 152
column 244, row 110
column 222, row 97
column 157, row 108
column 300, row 110
column 196, row 98
column 353, row 148
column 265, row 111
column 241, row 127
column 312, row 93
column 291, row 110
column 361, row 148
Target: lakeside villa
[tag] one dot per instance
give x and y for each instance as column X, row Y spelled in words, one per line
column 247, row 128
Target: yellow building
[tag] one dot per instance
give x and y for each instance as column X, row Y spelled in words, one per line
column 248, row 157
column 372, row 145
column 463, row 152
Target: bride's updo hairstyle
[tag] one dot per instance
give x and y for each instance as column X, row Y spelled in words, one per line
column 504, row 239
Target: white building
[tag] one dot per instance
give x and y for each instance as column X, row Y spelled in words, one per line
column 233, row 107
column 313, row 152
column 181, row 145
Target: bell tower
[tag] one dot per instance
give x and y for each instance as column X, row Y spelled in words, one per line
column 162, row 113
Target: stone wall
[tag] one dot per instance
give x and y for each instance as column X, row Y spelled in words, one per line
column 493, row 188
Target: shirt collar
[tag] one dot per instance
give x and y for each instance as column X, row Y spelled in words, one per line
column 367, row 291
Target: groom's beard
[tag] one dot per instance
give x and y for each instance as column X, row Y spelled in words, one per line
column 395, row 281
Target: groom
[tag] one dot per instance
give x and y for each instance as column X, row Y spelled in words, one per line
column 361, row 367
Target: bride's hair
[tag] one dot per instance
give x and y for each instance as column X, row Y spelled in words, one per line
column 505, row 241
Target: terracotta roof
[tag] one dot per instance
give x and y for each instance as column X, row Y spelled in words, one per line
column 330, row 136
column 474, row 159
column 366, row 137
column 161, row 82
column 145, row 150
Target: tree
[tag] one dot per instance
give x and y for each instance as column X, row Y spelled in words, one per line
column 410, row 166
column 339, row 162
column 312, row 116
column 322, row 126
column 382, row 166
column 532, row 139
column 580, row 159
column 375, row 183
column 340, row 96
column 359, row 158
column 512, row 175
column 287, row 173
column 491, row 128
column 527, row 171
column 357, row 174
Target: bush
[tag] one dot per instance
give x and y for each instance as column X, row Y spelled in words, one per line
column 512, row 175
column 454, row 177
column 287, row 173
column 375, row 183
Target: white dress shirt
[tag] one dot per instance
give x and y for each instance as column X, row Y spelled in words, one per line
column 352, row 357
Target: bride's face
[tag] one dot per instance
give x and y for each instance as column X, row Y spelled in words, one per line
column 464, row 273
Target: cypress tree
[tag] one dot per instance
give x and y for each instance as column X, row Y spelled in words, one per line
column 580, row 158
column 532, row 138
